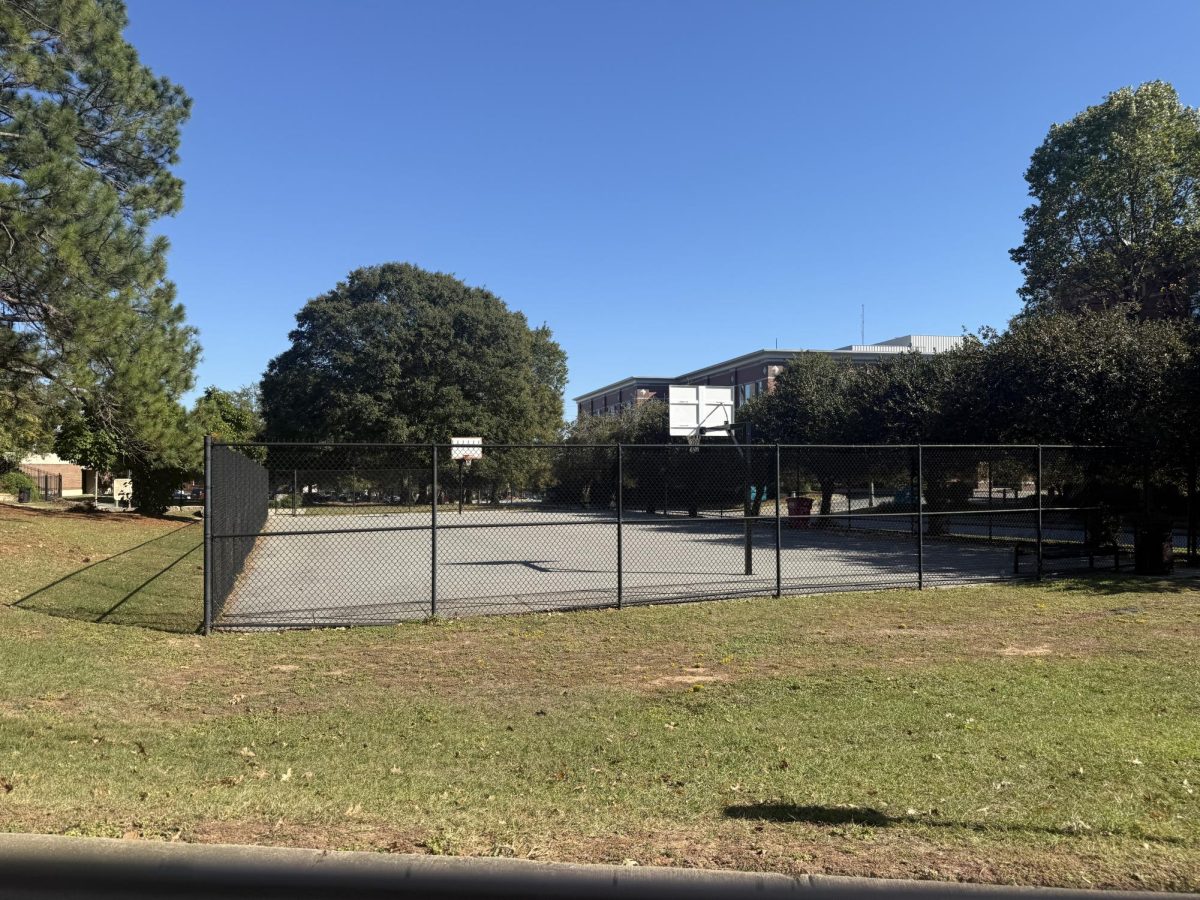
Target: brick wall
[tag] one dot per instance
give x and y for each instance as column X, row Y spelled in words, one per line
column 72, row 476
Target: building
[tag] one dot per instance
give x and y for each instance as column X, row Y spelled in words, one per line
column 76, row 481
column 749, row 375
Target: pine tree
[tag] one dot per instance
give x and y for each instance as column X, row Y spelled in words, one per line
column 88, row 321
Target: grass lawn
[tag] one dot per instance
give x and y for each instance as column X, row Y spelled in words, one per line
column 115, row 568
column 1039, row 734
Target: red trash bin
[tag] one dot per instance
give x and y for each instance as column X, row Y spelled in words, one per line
column 799, row 509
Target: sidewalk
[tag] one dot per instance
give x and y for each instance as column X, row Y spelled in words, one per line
column 36, row 866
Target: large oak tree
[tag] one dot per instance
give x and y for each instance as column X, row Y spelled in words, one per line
column 398, row 354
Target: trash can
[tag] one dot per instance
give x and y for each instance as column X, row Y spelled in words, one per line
column 1153, row 548
column 799, row 509
column 24, row 495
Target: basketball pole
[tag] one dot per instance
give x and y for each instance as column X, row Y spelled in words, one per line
column 747, row 505
column 460, row 484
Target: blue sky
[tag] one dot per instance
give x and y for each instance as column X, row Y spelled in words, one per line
column 666, row 184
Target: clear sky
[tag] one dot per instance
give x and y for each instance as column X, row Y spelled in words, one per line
column 666, row 184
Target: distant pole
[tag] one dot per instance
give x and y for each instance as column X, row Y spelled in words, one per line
column 667, row 486
column 920, row 518
column 989, row 471
column 460, row 486
column 778, row 529
column 1191, row 511
column 748, row 508
column 620, row 519
column 433, row 538
column 208, row 554
column 1039, row 512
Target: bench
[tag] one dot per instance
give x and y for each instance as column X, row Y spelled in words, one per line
column 1068, row 551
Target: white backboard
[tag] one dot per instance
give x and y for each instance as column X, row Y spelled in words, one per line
column 694, row 406
column 467, row 448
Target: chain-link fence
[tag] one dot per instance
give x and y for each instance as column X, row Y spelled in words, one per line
column 303, row 535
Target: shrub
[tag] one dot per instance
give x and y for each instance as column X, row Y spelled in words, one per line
column 16, row 481
column 154, row 489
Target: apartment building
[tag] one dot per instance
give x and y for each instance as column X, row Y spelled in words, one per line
column 749, row 374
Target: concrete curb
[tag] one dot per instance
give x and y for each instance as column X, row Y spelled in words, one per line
column 37, row 866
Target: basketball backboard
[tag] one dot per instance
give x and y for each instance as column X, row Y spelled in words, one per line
column 699, row 406
column 466, row 448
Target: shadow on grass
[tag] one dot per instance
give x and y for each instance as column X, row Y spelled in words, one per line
column 874, row 818
column 1185, row 580
column 152, row 585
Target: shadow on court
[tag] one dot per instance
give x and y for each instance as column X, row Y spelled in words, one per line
column 157, row 584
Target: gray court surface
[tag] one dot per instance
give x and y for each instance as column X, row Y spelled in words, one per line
column 379, row 568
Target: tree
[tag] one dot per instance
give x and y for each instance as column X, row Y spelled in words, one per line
column 1116, row 212
column 549, row 384
column 81, row 440
column 585, row 471
column 88, row 136
column 1083, row 378
column 1091, row 378
column 229, row 416
column 398, row 354
column 905, row 399
column 810, row 404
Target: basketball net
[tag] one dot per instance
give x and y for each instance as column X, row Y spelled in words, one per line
column 693, row 440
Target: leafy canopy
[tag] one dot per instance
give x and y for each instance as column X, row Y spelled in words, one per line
column 88, row 136
column 809, row 403
column 395, row 353
column 1083, row 378
column 229, row 416
column 1116, row 212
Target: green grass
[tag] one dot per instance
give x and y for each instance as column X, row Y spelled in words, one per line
column 1031, row 734
column 115, row 568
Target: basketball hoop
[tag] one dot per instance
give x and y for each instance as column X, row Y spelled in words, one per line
column 466, row 449
column 698, row 409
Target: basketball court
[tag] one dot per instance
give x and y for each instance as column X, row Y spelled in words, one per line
column 526, row 561
column 580, row 544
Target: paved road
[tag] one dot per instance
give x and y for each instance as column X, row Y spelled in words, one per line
column 379, row 569
column 37, row 866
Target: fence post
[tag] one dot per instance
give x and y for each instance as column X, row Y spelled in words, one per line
column 778, row 529
column 1039, row 512
column 208, row 556
column 667, row 485
column 433, row 539
column 295, row 488
column 920, row 500
column 748, row 507
column 620, row 522
column 990, row 454
column 1191, row 511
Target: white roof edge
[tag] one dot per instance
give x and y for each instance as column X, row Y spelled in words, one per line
column 623, row 383
column 903, row 343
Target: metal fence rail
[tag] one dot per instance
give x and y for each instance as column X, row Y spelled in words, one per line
column 47, row 484
column 304, row 535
